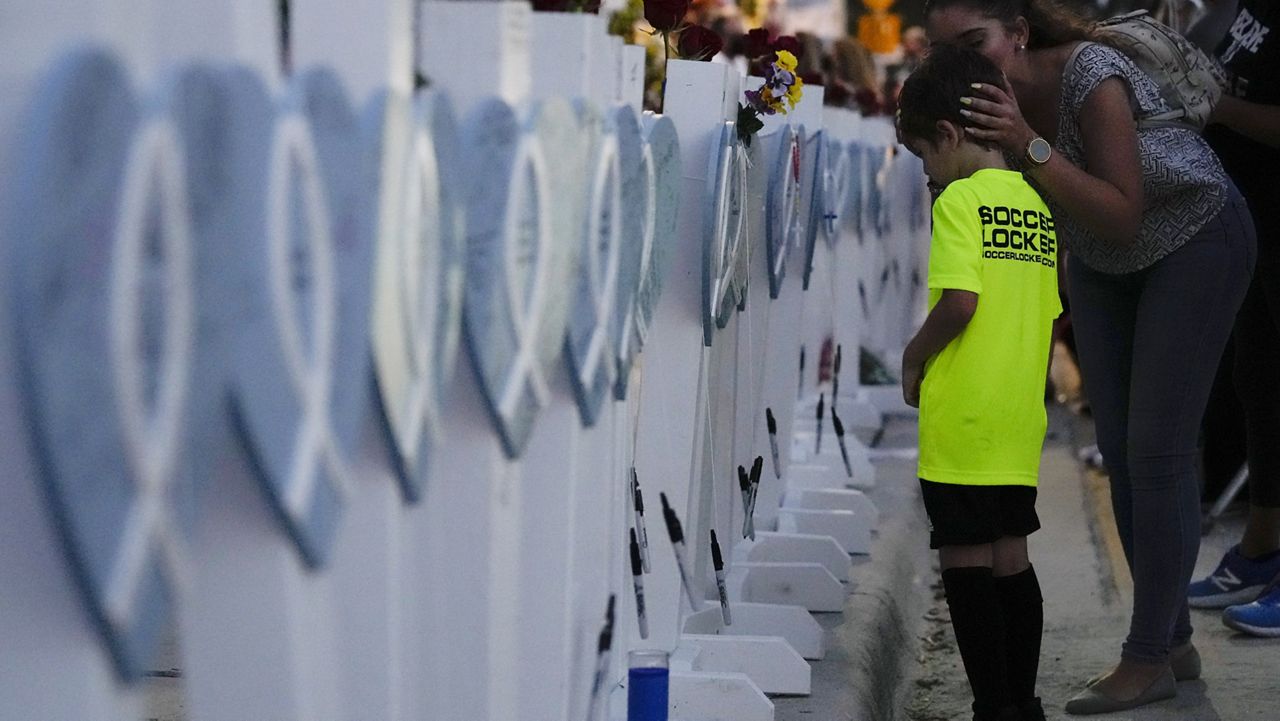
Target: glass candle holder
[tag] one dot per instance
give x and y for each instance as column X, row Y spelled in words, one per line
column 647, row 685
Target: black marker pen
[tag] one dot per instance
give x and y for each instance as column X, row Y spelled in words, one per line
column 637, row 579
column 641, row 532
column 800, row 389
column 835, row 380
column 844, row 452
column 718, row 562
column 773, row 441
column 754, row 479
column 602, row 658
column 822, row 402
column 744, row 485
column 676, row 533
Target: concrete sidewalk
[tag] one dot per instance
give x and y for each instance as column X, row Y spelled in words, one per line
column 892, row 655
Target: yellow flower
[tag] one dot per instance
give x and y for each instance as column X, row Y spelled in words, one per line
column 795, row 92
column 786, row 61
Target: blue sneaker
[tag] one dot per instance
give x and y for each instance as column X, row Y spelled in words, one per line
column 1236, row 580
column 1260, row 618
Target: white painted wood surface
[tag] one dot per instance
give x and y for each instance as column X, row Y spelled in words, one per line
column 809, row 585
column 793, row 623
column 776, row 547
column 439, row 610
column 769, row 661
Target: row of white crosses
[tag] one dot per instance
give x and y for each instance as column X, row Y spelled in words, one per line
column 342, row 385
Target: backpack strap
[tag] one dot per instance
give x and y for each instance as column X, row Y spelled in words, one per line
column 1174, row 118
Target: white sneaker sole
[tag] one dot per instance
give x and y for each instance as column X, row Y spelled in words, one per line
column 1249, row 594
column 1263, row 631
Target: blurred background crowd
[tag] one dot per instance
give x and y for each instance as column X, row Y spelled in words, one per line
column 859, row 51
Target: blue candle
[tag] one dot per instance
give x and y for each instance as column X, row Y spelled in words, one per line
column 647, row 694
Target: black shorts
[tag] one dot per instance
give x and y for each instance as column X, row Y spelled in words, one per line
column 963, row 515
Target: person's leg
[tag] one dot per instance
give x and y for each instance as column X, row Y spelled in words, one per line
column 1019, row 591
column 1104, row 310
column 1257, row 357
column 977, row 620
column 1189, row 302
column 1246, row 569
column 1260, row 393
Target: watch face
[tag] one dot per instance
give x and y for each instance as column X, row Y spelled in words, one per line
column 1039, row 150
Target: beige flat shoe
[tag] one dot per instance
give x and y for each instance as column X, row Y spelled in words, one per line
column 1184, row 661
column 1092, row 701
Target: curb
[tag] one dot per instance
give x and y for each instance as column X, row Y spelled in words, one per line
column 873, row 644
column 887, row 612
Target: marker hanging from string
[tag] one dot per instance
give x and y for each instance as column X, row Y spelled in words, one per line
column 822, row 399
column 772, row 424
column 676, row 534
column 641, row 533
column 637, row 581
column 844, row 451
column 835, row 379
column 717, row 562
column 603, row 647
column 800, row 388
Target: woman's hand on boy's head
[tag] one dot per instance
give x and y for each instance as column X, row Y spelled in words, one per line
column 998, row 118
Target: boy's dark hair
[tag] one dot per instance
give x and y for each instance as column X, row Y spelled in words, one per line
column 933, row 91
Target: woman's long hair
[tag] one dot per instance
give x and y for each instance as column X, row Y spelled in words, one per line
column 1052, row 23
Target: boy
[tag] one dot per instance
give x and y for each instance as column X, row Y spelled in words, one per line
column 976, row 369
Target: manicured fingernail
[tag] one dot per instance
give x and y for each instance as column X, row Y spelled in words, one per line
column 966, row 101
column 976, row 86
column 965, row 113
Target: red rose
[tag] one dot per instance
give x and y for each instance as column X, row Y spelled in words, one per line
column 788, row 43
column 756, row 43
column 665, row 15
column 837, row 94
column 699, row 43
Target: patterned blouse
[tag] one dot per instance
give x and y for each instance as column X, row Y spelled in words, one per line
column 1182, row 181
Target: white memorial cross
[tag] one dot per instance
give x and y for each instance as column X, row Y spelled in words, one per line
column 418, row 292
column 478, row 53
column 286, row 297
column 100, row 319
column 783, row 199
column 557, row 465
column 724, row 231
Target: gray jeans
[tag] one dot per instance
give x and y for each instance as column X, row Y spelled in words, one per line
column 1149, row 345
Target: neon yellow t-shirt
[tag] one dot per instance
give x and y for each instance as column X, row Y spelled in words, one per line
column 982, row 414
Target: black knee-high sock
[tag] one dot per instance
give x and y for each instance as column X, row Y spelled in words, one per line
column 978, row 621
column 1023, row 609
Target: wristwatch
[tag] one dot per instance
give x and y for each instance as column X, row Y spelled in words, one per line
column 1039, row 151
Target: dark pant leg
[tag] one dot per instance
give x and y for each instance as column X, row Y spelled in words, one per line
column 1257, row 359
column 1104, row 310
column 1188, row 304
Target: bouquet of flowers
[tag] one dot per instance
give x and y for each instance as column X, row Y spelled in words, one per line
column 781, row 92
